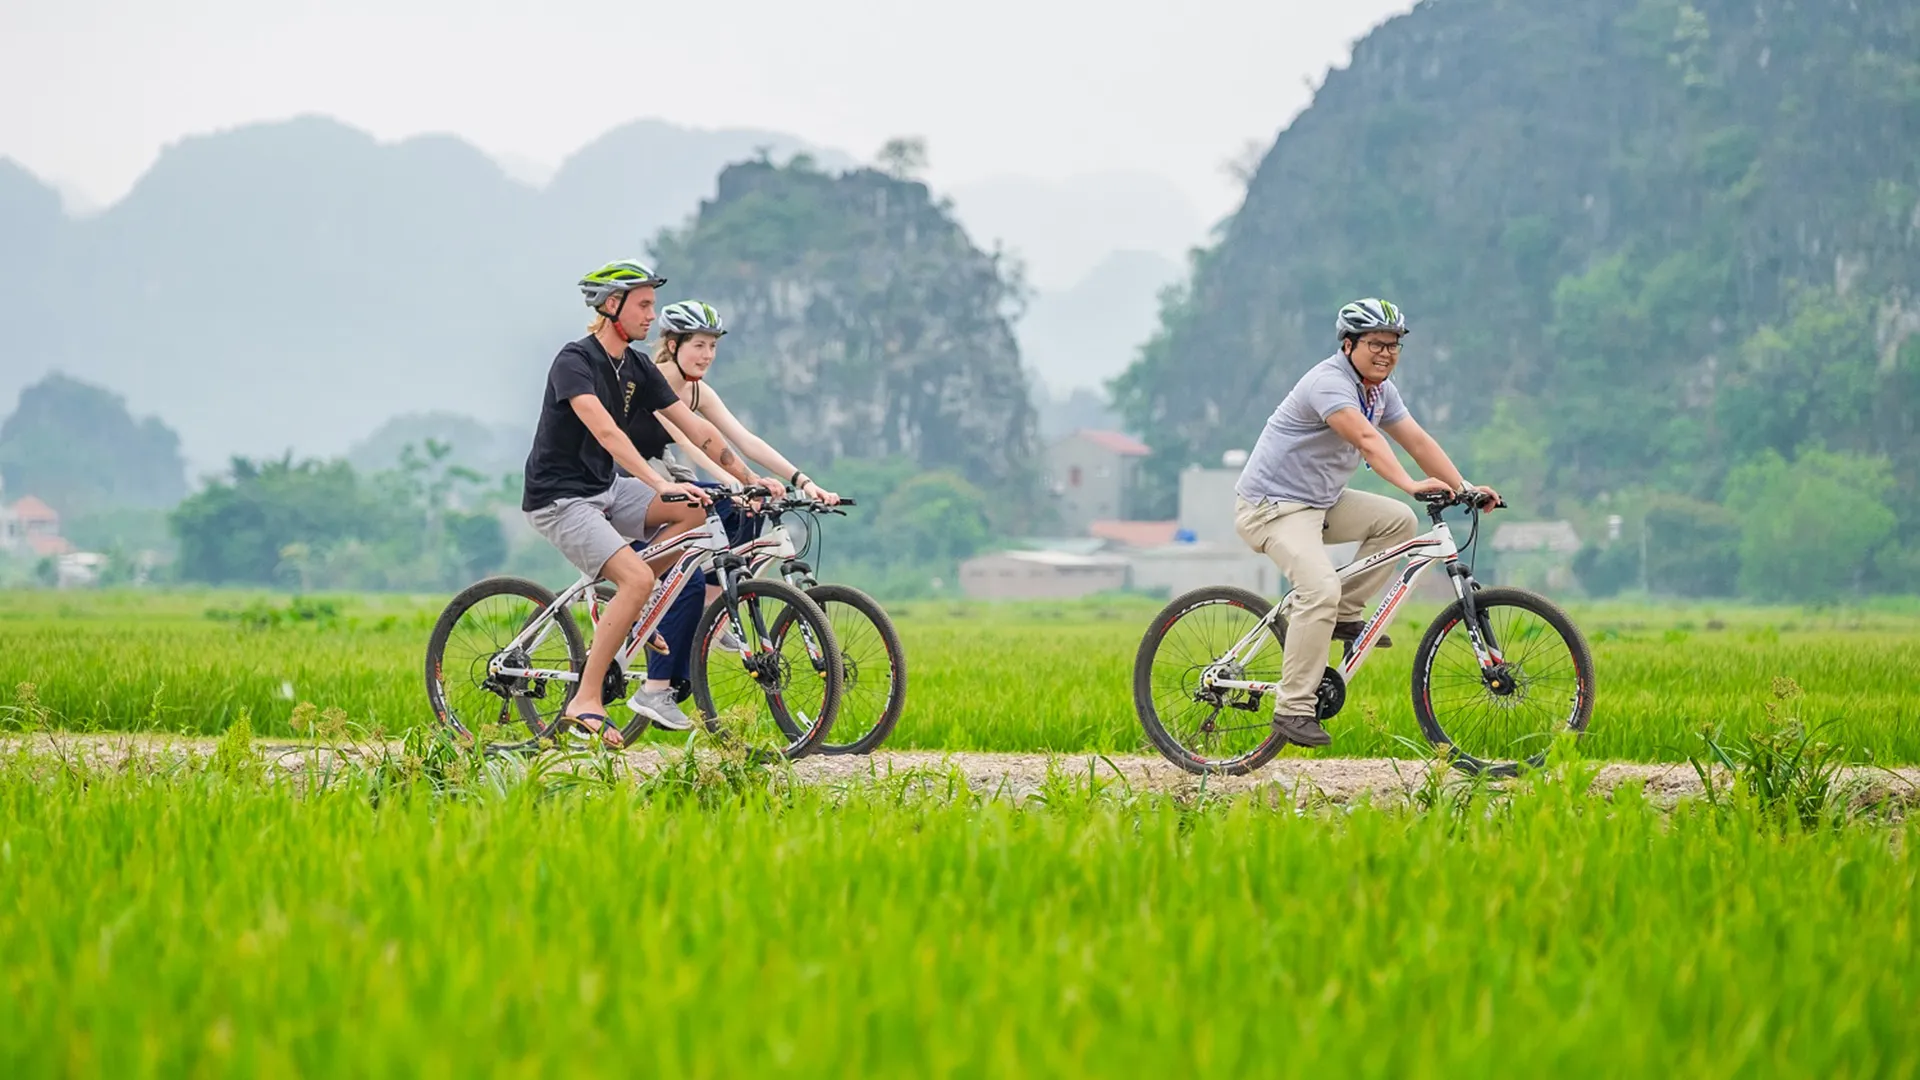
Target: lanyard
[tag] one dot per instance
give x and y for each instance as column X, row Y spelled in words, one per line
column 1370, row 396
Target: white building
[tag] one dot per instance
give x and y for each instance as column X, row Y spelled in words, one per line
column 1040, row 575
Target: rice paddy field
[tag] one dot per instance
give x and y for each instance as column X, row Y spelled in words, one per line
column 1025, row 677
column 436, row 913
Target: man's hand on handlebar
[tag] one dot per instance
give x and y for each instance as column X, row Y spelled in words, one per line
column 1482, row 498
column 692, row 493
column 819, row 494
column 777, row 489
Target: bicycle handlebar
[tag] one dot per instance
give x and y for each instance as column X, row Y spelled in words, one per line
column 757, row 491
column 1473, row 499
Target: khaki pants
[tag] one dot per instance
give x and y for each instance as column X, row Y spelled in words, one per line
column 1295, row 536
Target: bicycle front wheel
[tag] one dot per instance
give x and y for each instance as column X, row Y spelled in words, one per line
column 480, row 624
column 874, row 667
column 766, row 670
column 1204, row 730
column 1497, row 719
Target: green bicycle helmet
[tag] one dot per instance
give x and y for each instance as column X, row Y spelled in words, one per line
column 692, row 317
column 617, row 279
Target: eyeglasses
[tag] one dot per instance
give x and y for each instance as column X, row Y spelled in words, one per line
column 1382, row 348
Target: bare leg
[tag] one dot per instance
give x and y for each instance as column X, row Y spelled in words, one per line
column 635, row 581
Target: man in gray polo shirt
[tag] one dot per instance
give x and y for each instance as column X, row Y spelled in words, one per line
column 1293, row 498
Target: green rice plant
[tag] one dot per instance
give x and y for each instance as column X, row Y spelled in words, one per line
column 170, row 919
column 1050, row 677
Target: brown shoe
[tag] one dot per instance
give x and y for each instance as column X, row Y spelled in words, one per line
column 1301, row 730
column 1349, row 632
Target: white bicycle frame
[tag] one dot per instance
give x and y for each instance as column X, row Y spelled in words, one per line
column 698, row 546
column 1422, row 552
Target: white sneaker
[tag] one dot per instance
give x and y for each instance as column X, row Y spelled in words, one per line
column 659, row 707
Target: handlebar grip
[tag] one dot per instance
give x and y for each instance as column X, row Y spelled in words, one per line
column 848, row 502
column 674, row 496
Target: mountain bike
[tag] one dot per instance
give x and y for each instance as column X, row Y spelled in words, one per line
column 1498, row 676
column 507, row 652
column 874, row 677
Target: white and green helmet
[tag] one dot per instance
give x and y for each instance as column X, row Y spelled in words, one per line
column 1369, row 315
column 692, row 317
column 616, row 279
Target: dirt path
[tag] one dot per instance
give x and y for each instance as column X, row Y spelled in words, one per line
column 1015, row 776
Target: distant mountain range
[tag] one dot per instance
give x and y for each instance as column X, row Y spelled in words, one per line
column 297, row 284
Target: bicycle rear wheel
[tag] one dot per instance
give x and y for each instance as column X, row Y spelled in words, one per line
column 874, row 666
column 778, row 697
column 1499, row 719
column 477, row 626
column 1201, row 730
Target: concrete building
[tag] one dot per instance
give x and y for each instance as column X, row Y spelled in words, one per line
column 1091, row 473
column 1535, row 554
column 1178, row 567
column 1206, row 503
column 1040, row 575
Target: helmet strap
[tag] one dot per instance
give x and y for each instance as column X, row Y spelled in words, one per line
column 613, row 318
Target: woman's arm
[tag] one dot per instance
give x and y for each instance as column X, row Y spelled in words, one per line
column 714, row 408
column 707, row 438
column 695, row 456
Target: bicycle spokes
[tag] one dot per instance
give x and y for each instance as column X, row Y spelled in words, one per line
column 1511, row 706
column 1196, row 650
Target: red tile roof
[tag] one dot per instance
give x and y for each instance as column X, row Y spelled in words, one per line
column 32, row 509
column 1124, row 445
column 44, row 544
column 1140, row 534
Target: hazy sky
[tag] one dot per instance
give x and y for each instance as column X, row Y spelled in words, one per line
column 1046, row 88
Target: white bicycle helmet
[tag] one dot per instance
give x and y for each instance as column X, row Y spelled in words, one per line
column 1369, row 315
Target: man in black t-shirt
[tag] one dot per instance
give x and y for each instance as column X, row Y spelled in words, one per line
column 598, row 386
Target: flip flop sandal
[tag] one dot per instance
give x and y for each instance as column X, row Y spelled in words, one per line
column 659, row 644
column 577, row 728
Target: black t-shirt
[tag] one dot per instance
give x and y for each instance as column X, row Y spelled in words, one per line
column 567, row 461
column 644, row 428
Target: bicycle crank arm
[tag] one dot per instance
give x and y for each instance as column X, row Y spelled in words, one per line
column 538, row 673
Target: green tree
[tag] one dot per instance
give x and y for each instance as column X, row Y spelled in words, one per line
column 75, row 445
column 1511, row 451
column 1810, row 528
column 935, row 517
column 1815, row 377
column 1693, row 547
column 903, row 158
column 265, row 522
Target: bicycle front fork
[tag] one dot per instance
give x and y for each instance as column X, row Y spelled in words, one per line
column 1479, row 632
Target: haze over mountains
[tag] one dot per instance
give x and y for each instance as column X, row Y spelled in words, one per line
column 294, row 285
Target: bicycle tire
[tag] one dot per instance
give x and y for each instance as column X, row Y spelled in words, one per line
column 802, row 733
column 1482, row 758
column 858, row 683
column 448, row 704
column 1158, row 732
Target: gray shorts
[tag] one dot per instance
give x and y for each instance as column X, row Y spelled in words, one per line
column 589, row 531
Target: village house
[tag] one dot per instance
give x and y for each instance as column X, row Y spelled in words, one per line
column 32, row 528
column 1091, row 475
